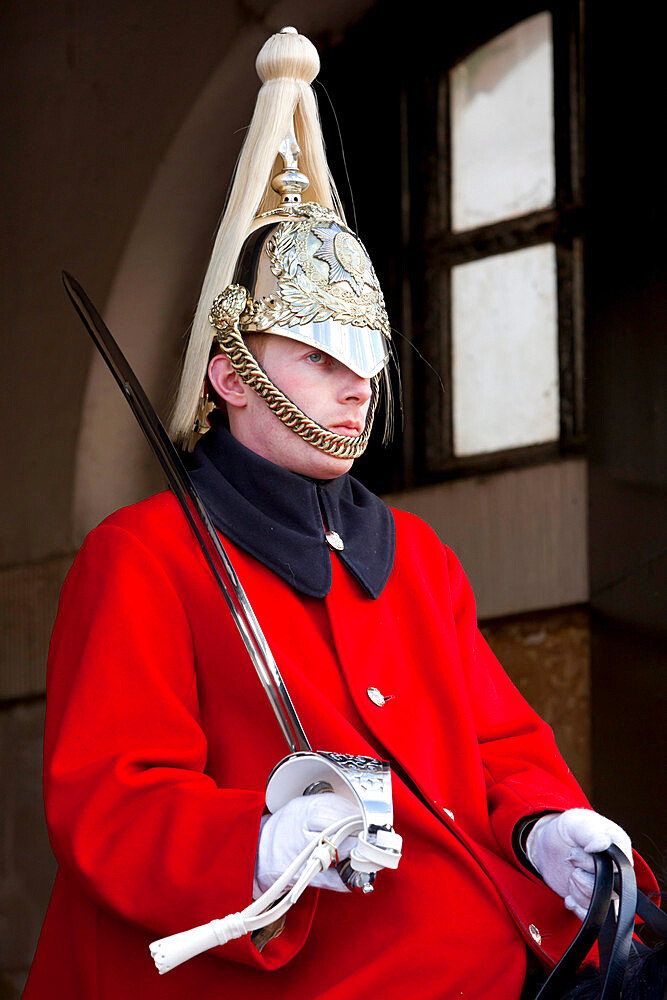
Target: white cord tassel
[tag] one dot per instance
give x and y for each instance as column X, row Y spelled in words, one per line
column 172, row 951
column 317, row 856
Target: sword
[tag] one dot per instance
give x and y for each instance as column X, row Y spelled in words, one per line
column 197, row 517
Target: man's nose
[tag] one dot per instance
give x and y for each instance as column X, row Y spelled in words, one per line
column 355, row 388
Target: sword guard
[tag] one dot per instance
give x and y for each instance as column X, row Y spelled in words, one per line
column 365, row 781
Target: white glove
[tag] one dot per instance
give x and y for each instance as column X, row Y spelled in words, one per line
column 287, row 831
column 560, row 846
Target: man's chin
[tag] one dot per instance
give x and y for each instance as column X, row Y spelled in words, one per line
column 322, row 466
column 333, row 468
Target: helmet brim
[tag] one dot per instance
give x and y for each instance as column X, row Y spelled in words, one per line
column 364, row 351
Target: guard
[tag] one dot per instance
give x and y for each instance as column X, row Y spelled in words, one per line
column 159, row 737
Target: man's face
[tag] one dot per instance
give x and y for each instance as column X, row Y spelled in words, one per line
column 322, row 387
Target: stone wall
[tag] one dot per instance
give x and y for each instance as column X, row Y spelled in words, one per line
column 547, row 655
column 27, row 866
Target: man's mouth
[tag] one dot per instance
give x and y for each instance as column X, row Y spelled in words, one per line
column 349, row 428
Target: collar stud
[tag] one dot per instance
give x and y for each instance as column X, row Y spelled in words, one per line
column 334, row 541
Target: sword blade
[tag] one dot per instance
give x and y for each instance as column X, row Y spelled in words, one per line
column 197, row 517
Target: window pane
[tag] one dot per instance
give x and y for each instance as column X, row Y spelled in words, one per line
column 502, row 127
column 505, row 351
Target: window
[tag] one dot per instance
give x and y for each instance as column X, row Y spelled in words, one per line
column 504, row 351
column 496, row 219
column 501, row 114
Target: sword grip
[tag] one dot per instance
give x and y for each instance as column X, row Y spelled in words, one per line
column 354, row 880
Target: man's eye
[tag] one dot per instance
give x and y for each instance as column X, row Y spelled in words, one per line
column 316, row 357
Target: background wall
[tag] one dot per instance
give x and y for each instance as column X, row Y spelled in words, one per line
column 627, row 429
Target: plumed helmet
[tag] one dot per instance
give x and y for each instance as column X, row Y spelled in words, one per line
column 283, row 266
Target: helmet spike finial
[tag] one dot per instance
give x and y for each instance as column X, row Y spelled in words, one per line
column 290, row 182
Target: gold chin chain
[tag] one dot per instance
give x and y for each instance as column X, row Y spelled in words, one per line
column 230, row 339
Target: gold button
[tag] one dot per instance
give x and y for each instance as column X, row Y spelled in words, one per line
column 535, row 934
column 334, row 541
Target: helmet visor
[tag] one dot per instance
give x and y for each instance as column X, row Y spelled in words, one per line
column 363, row 350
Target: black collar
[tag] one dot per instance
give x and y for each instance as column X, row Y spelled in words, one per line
column 278, row 516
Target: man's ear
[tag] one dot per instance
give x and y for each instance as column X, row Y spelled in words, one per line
column 226, row 382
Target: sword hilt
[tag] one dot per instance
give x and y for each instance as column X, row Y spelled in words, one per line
column 354, row 880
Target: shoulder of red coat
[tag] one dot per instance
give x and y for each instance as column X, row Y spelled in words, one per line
column 413, row 527
column 158, row 513
column 415, row 533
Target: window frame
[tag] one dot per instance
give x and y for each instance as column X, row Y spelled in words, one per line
column 431, row 250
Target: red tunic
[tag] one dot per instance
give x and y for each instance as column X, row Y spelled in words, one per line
column 159, row 741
